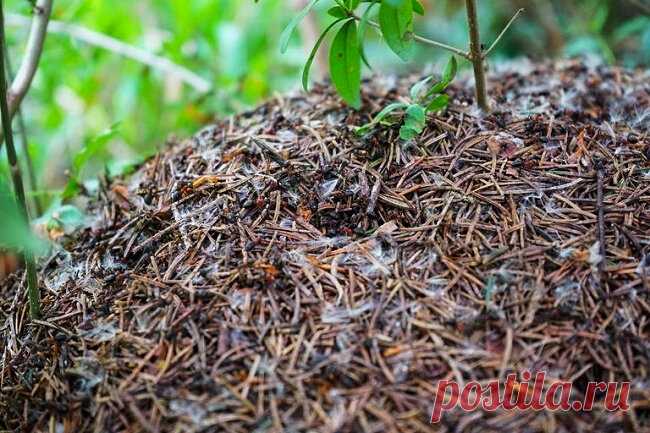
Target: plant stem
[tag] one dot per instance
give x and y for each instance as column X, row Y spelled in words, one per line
column 30, row 264
column 476, row 56
column 22, row 128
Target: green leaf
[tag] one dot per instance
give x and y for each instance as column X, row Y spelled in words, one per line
column 15, row 234
column 288, row 30
column 388, row 110
column 414, row 122
column 379, row 118
column 92, row 147
column 312, row 55
column 450, row 70
column 440, row 102
column 352, row 4
column 122, row 167
column 417, row 89
column 417, row 7
column 62, row 216
column 447, row 77
column 363, row 25
column 396, row 23
column 406, row 133
column 345, row 64
column 72, row 188
column 337, row 12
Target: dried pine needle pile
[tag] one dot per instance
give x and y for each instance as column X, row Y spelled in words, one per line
column 278, row 273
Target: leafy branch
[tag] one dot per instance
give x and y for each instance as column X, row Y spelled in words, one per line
column 395, row 22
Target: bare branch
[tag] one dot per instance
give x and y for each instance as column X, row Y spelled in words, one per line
column 503, row 32
column 118, row 47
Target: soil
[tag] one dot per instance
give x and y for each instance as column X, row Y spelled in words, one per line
column 276, row 272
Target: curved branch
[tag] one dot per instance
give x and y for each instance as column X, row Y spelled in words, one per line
column 29, row 64
column 118, row 47
column 33, row 51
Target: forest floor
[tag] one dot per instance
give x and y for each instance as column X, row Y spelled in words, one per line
column 276, row 272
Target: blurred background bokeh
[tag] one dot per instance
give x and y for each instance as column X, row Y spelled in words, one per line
column 83, row 89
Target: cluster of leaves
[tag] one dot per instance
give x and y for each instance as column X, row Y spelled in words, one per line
column 346, row 51
column 424, row 98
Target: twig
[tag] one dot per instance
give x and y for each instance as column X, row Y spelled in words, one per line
column 30, row 264
column 601, row 223
column 428, row 41
column 29, row 64
column 503, row 32
column 118, row 47
column 272, row 153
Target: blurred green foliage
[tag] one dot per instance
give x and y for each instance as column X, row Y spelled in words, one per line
column 81, row 90
column 14, row 233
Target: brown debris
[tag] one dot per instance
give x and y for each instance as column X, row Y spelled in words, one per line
column 277, row 273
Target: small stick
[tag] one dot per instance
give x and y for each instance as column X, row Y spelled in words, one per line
column 503, row 32
column 601, row 222
column 271, row 152
column 427, row 41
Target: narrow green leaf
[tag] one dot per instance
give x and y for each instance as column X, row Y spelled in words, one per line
column 450, row 70
column 417, row 7
column 72, row 188
column 288, row 30
column 363, row 25
column 352, row 4
column 312, row 55
column 447, row 77
column 345, row 64
column 337, row 12
column 416, row 90
column 440, row 102
column 379, row 118
column 396, row 23
column 93, row 146
column 387, row 110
